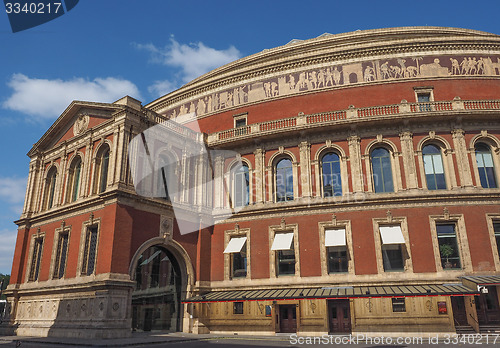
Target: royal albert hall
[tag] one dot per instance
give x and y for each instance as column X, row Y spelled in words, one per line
column 352, row 186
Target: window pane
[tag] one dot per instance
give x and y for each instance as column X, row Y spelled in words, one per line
column 448, row 246
column 433, row 167
column 284, row 180
column 392, row 256
column 382, row 172
column 104, row 171
column 337, row 259
column 332, row 182
column 485, row 166
column 239, row 263
column 286, row 262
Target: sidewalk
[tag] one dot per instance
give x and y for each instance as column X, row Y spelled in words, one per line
column 138, row 338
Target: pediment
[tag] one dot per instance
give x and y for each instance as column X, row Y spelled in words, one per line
column 74, row 122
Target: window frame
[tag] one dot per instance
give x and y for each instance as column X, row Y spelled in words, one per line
column 228, row 258
column 234, row 173
column 462, row 241
column 405, row 248
column 440, row 150
column 491, row 220
column 273, row 254
column 238, row 308
column 332, row 225
column 398, row 304
column 82, row 257
column 339, row 174
column 60, row 258
column 389, row 157
column 50, row 188
column 35, row 262
column 74, row 184
column 102, row 167
column 494, row 175
column 420, row 91
column 275, row 181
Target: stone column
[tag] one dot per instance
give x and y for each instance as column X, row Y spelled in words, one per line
column 87, row 180
column 305, row 169
column 259, row 175
column 462, row 157
column 355, row 160
column 410, row 169
column 218, row 182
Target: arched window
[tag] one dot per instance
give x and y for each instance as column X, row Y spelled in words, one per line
column 330, row 170
column 433, row 167
column 284, row 180
column 50, row 188
column 102, row 164
column 241, row 186
column 74, row 179
column 485, row 166
column 382, row 171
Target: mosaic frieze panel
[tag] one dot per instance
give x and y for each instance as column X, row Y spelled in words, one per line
column 342, row 75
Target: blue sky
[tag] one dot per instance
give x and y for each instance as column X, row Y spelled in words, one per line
column 103, row 50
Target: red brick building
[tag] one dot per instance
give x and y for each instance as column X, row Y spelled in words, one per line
column 364, row 194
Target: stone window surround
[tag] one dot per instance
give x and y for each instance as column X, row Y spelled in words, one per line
column 45, row 187
column 283, row 228
column 395, row 166
column 462, row 241
column 229, row 178
column 344, row 177
column 34, row 237
column 494, row 146
column 271, row 173
column 490, row 219
column 70, row 177
column 392, row 221
column 424, row 90
column 58, row 231
column 92, row 222
column 228, row 234
column 237, row 117
column 336, row 224
column 96, row 158
column 446, row 156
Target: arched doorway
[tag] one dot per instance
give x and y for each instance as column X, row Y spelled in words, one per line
column 156, row 299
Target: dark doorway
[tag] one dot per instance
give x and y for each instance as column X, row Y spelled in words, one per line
column 288, row 318
column 487, row 307
column 339, row 316
column 156, row 300
column 459, row 313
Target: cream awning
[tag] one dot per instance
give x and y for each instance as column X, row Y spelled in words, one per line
column 282, row 241
column 235, row 245
column 391, row 235
column 335, row 237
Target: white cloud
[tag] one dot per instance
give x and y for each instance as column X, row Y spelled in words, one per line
column 160, row 88
column 49, row 98
column 7, row 247
column 12, row 190
column 193, row 60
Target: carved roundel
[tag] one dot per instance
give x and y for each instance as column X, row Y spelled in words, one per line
column 81, row 124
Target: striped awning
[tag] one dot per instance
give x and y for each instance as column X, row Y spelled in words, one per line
column 473, row 281
column 333, row 293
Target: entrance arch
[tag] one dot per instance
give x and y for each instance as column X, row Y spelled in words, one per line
column 163, row 277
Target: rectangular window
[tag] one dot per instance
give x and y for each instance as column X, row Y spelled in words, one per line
column 392, row 247
column 89, row 252
column 285, row 253
column 237, row 248
column 239, row 263
column 240, row 122
column 36, row 259
column 424, row 101
column 335, row 242
column 62, row 252
column 237, row 307
column 448, row 246
column 337, row 259
column 496, row 229
column 398, row 304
